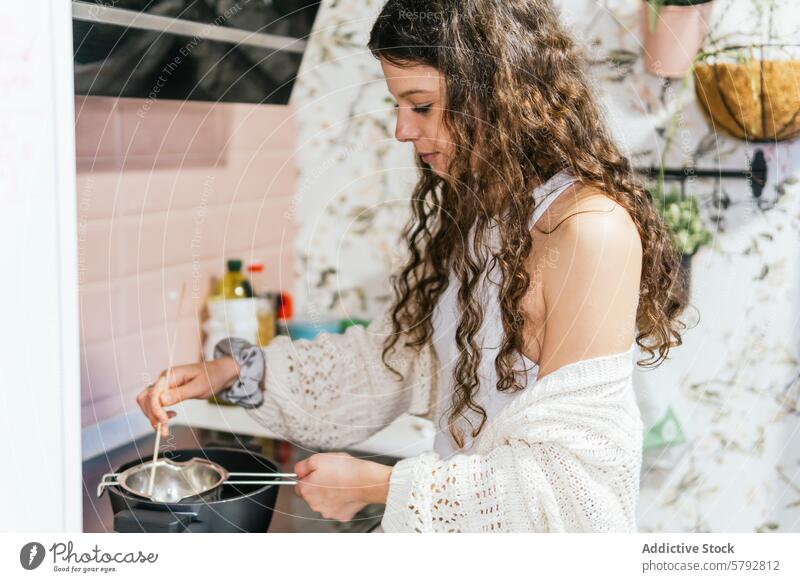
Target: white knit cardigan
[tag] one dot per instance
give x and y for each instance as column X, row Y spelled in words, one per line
column 564, row 455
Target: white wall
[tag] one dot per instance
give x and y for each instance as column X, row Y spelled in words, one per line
column 39, row 378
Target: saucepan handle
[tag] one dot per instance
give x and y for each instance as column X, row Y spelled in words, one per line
column 108, row 480
column 261, row 479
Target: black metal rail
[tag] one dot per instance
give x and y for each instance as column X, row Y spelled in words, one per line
column 756, row 174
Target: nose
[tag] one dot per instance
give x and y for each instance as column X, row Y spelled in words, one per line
column 405, row 130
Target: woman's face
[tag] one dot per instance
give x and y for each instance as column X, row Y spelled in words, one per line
column 419, row 93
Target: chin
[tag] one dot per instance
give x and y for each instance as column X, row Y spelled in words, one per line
column 437, row 170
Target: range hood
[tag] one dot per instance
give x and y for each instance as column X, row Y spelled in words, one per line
column 245, row 51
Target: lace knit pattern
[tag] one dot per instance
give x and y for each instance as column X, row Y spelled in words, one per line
column 334, row 391
column 563, row 456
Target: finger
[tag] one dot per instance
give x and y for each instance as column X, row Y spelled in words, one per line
column 153, row 404
column 306, row 467
column 154, row 401
column 300, row 490
column 143, row 399
column 302, row 469
column 172, row 413
column 177, row 394
column 164, row 430
column 140, row 399
column 172, row 396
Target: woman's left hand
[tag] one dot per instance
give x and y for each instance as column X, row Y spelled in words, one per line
column 338, row 485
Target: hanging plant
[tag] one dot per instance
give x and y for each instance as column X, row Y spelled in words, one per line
column 751, row 92
column 682, row 217
column 673, row 33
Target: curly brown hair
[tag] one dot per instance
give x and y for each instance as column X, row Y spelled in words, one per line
column 517, row 96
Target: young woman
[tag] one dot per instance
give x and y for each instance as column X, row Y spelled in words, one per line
column 535, row 264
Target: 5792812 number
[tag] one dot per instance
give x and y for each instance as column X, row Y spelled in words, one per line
column 755, row 565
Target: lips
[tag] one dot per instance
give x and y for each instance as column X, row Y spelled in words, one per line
column 428, row 157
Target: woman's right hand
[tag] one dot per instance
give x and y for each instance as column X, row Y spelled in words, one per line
column 201, row 380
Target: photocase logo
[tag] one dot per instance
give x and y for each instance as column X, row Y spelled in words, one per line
column 31, row 555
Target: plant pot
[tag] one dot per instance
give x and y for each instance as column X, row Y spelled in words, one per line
column 686, row 273
column 752, row 96
column 670, row 49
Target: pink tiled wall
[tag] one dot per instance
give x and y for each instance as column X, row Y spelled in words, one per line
column 166, row 192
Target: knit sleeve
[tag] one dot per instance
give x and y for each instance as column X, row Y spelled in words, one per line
column 567, row 458
column 335, row 391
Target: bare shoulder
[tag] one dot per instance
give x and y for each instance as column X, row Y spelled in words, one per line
column 584, row 227
column 591, row 280
column 587, row 210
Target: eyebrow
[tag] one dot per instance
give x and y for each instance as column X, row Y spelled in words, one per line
column 412, row 92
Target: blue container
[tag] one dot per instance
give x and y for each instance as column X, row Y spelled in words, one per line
column 310, row 329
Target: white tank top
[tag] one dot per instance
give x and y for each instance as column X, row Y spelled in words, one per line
column 446, row 317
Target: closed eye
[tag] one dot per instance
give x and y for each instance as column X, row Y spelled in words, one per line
column 421, row 109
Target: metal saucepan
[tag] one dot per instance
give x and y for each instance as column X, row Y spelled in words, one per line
column 229, row 508
column 197, row 479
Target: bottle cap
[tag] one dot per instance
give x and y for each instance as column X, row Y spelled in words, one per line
column 284, row 306
column 256, row 267
column 234, row 265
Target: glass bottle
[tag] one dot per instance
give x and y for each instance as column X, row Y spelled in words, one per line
column 265, row 312
column 234, row 284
